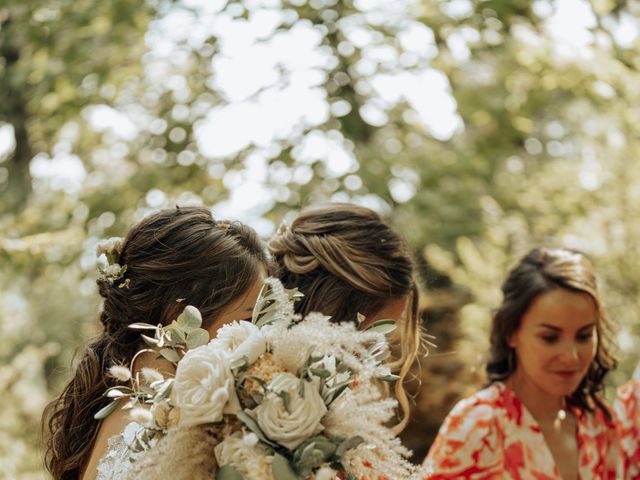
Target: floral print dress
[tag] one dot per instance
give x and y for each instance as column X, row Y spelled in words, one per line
column 627, row 409
column 491, row 435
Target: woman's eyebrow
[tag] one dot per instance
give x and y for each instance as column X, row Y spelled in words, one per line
column 547, row 325
column 592, row 324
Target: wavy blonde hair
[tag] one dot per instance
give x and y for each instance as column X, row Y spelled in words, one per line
column 346, row 261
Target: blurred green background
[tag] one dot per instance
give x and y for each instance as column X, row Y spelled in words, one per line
column 478, row 128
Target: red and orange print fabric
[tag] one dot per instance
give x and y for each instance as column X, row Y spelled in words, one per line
column 491, row 435
column 627, row 409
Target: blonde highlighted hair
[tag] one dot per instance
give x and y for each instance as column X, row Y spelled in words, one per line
column 346, row 261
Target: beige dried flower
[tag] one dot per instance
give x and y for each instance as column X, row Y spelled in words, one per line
column 161, row 413
column 263, row 368
column 174, row 417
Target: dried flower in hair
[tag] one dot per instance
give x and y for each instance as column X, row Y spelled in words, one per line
column 111, row 246
column 120, row 373
column 152, row 375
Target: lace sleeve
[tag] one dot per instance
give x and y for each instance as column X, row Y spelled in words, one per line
column 116, row 462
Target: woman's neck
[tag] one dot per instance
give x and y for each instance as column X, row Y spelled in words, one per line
column 544, row 407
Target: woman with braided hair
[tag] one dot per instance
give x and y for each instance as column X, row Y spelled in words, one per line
column 173, row 258
column 347, row 261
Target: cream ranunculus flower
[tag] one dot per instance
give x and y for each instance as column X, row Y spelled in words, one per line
column 204, row 387
column 290, row 428
column 243, row 340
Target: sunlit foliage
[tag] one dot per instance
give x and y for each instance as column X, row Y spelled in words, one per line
column 480, row 128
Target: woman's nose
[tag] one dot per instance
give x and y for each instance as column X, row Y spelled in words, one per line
column 570, row 352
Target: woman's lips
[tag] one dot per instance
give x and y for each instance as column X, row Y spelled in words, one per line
column 566, row 373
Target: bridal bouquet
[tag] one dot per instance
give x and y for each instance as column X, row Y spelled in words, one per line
column 295, row 398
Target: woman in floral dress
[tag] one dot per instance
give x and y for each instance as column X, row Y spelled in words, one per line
column 542, row 416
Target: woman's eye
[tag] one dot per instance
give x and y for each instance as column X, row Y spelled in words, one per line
column 585, row 337
column 549, row 338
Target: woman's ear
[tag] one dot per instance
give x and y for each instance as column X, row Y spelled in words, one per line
column 512, row 340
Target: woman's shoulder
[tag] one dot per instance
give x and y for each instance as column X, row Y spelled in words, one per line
column 478, row 414
column 108, row 441
column 485, row 404
column 470, row 438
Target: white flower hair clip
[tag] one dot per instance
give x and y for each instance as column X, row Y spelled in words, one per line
column 108, row 252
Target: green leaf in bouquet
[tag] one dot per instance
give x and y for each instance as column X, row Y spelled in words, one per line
column 252, row 425
column 301, row 390
column 337, row 390
column 197, row 338
column 227, row 472
column 312, row 453
column 164, row 391
column 281, row 469
column 284, row 395
column 320, row 372
column 151, row 342
column 170, row 354
column 142, row 326
column 108, row 410
column 382, row 326
column 266, row 319
column 349, row 444
column 379, row 350
column 257, row 398
column 175, row 334
column 389, row 378
column 189, row 319
column 119, row 391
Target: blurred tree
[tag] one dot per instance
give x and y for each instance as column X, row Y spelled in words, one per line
column 480, row 128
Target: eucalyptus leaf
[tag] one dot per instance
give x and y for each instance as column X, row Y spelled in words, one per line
column 108, row 410
column 152, row 342
column 284, row 395
column 320, row 372
column 197, row 338
column 337, row 391
column 115, row 393
column 189, row 319
column 170, row 354
column 382, row 326
column 227, row 472
column 164, row 391
column 281, row 469
column 389, row 378
column 179, row 334
column 349, row 444
column 252, row 425
column 142, row 326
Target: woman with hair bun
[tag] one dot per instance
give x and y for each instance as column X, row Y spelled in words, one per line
column 173, row 258
column 347, row 261
column 542, row 415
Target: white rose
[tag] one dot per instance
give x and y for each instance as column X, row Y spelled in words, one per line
column 291, row 428
column 243, row 340
column 241, row 454
column 204, row 387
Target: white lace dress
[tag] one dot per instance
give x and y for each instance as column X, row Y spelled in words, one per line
column 116, row 462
